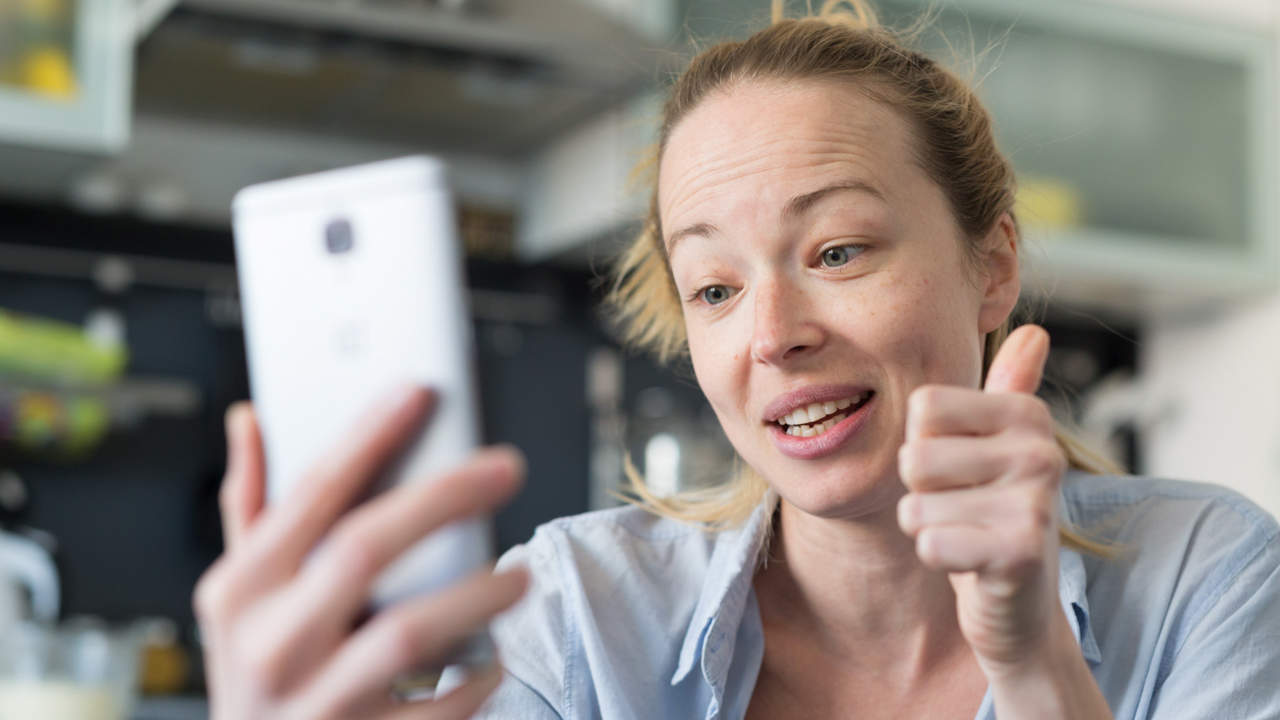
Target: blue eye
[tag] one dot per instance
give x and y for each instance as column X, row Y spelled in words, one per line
column 715, row 294
column 839, row 255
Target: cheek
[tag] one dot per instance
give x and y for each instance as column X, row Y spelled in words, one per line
column 919, row 326
column 712, row 361
column 720, row 366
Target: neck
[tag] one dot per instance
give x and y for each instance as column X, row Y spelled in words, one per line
column 857, row 588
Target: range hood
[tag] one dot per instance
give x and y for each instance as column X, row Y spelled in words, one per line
column 499, row 77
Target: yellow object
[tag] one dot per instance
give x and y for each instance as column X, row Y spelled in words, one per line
column 1048, row 203
column 164, row 669
column 48, row 71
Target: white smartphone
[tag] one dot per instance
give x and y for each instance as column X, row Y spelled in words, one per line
column 351, row 283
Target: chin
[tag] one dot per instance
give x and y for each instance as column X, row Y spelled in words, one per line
column 839, row 492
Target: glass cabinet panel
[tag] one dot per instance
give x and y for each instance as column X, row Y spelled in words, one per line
column 1135, row 135
column 65, row 70
column 37, row 47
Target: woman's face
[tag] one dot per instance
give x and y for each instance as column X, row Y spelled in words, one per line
column 820, row 269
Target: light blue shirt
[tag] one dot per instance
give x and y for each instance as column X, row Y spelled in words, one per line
column 634, row 616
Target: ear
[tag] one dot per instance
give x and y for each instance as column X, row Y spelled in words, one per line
column 1001, row 281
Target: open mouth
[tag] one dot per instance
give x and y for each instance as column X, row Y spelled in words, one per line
column 817, row 418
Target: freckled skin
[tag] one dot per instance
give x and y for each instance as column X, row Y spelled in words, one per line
column 902, row 313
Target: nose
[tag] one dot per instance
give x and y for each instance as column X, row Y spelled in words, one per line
column 784, row 327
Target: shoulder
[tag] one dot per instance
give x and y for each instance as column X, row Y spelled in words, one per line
column 587, row 550
column 1193, row 559
column 1138, row 511
column 633, row 529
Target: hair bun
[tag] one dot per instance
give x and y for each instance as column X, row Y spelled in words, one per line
column 857, row 14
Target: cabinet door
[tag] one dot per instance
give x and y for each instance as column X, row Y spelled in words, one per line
column 65, row 73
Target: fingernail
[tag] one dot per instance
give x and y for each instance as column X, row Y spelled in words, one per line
column 233, row 421
column 408, row 398
column 518, row 576
column 509, row 457
column 1032, row 339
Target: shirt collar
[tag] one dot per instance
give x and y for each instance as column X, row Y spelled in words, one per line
column 728, row 582
column 1073, row 586
column 736, row 554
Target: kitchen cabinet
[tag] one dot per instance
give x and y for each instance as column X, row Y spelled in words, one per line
column 1144, row 144
column 65, row 73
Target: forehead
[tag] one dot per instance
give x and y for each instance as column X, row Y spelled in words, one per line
column 768, row 138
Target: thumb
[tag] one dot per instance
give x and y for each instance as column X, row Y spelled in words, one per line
column 1019, row 363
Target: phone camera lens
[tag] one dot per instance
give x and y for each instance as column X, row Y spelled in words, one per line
column 338, row 237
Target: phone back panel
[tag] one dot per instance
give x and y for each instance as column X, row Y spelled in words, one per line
column 334, row 320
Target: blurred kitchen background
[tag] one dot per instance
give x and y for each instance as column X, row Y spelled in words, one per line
column 1144, row 132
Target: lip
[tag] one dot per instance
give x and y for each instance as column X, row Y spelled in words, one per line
column 787, row 402
column 816, row 446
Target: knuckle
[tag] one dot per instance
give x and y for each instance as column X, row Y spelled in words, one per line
column 1043, row 459
column 927, row 548
column 401, row 641
column 1038, row 414
column 264, row 662
column 354, row 551
column 910, row 512
column 1030, row 533
column 923, row 400
column 1030, row 410
column 910, row 461
column 212, row 598
column 227, row 493
column 1026, row 554
column 1038, row 513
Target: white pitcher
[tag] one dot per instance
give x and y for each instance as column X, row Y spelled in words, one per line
column 26, row 568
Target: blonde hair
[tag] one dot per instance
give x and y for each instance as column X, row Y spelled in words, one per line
column 956, row 149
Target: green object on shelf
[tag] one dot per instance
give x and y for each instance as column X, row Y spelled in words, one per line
column 55, row 351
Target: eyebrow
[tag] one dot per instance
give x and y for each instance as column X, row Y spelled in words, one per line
column 796, row 206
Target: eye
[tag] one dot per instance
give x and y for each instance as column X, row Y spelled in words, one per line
column 715, row 294
column 839, row 255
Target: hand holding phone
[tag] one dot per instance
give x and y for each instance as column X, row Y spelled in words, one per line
column 277, row 610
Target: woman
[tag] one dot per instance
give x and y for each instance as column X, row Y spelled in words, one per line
column 832, row 242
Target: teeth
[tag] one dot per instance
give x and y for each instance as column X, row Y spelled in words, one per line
column 804, row 421
column 807, row 430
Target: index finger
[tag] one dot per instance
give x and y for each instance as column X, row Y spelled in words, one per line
column 241, row 495
column 370, row 537
column 290, row 529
